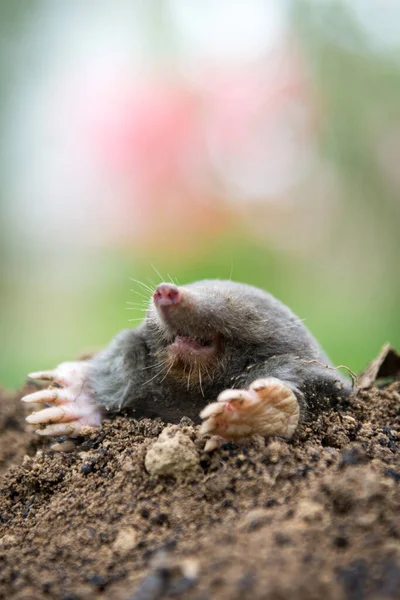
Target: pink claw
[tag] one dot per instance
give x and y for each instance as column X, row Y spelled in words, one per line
column 68, row 429
column 69, row 412
column 54, row 396
column 43, row 375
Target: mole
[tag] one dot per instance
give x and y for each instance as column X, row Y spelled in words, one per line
column 222, row 353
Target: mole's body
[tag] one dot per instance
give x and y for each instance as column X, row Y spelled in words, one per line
column 207, row 341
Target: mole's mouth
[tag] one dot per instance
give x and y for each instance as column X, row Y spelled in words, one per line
column 186, row 346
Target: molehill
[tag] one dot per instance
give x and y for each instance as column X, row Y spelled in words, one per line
column 140, row 512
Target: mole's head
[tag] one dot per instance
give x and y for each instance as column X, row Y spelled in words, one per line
column 207, row 323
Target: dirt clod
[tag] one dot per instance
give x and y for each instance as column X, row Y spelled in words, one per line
column 173, row 454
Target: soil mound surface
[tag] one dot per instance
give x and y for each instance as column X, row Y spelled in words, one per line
column 315, row 517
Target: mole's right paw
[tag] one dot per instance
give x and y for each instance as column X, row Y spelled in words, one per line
column 267, row 407
column 72, row 411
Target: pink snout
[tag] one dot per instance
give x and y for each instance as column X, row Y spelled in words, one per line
column 167, row 294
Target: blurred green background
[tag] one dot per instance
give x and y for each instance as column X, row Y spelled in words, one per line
column 252, row 140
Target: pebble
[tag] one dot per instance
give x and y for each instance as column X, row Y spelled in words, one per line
column 125, row 540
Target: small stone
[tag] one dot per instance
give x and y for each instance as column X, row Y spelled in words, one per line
column 255, row 519
column 7, row 541
column 366, row 430
column 190, row 568
column 350, row 420
column 186, row 422
column 66, row 446
column 27, row 462
column 276, row 451
column 127, row 465
column 173, row 454
column 125, row 540
column 87, row 468
column 367, row 520
column 309, row 511
column 336, row 438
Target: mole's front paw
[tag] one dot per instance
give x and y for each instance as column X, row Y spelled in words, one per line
column 268, row 407
column 72, row 411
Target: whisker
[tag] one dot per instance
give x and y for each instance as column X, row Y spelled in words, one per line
column 200, row 382
column 147, row 287
column 152, row 282
column 157, row 272
column 146, row 298
column 175, row 282
column 231, row 273
column 190, row 372
column 171, row 365
column 139, row 302
column 156, row 375
column 155, row 366
column 207, row 372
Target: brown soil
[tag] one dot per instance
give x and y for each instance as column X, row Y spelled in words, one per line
column 16, row 439
column 317, row 517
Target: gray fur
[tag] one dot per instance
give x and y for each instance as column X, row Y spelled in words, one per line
column 259, row 337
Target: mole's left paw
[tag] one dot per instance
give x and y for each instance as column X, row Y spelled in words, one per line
column 268, row 407
column 72, row 411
